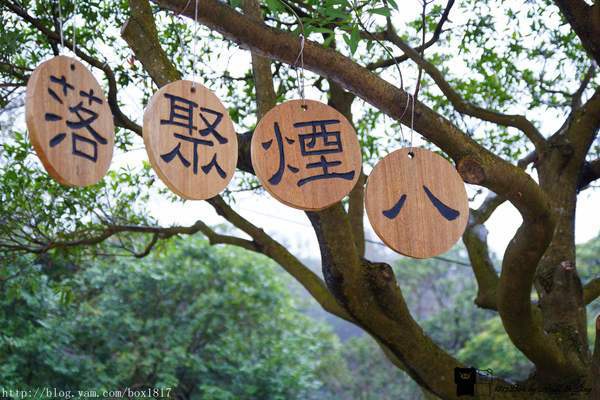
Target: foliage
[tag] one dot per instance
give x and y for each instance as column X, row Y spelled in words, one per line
column 440, row 294
column 209, row 323
column 492, row 349
column 362, row 372
column 36, row 209
column 588, row 266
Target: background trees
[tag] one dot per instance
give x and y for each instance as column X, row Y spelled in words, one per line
column 508, row 92
column 206, row 323
column 223, row 324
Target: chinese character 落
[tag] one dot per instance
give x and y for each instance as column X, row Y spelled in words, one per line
column 81, row 118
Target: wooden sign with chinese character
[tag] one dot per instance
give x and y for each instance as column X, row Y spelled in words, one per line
column 306, row 157
column 190, row 140
column 417, row 205
column 69, row 122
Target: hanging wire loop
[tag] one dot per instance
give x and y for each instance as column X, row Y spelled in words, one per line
column 194, row 47
column 60, row 25
column 300, row 57
column 300, row 71
column 75, row 12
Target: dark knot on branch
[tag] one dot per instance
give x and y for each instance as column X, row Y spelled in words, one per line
column 471, row 170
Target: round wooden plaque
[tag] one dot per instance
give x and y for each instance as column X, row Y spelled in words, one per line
column 417, row 205
column 306, row 154
column 190, row 140
column 69, row 122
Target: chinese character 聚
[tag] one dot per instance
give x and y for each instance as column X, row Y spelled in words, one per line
column 181, row 114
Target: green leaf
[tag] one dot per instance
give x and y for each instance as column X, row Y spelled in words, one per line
column 274, row 5
column 353, row 39
column 385, row 11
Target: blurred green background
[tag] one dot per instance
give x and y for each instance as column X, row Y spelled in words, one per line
column 224, row 323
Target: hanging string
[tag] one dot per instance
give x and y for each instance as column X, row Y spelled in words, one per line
column 194, row 45
column 418, row 83
column 379, row 42
column 300, row 57
column 409, row 97
column 412, row 126
column 60, row 25
column 75, row 12
column 300, row 74
column 407, row 105
column 185, row 51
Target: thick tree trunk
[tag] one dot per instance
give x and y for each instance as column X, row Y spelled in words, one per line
column 557, row 282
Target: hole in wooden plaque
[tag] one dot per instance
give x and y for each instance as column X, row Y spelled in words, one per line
column 72, row 67
column 411, row 154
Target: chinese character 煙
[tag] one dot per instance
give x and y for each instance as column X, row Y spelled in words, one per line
column 181, row 114
column 79, row 118
column 318, row 146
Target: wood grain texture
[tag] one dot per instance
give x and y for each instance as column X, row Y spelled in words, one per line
column 418, row 206
column 166, row 126
column 69, row 122
column 329, row 167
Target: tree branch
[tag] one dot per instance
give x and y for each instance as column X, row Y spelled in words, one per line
column 434, row 38
column 277, row 252
column 530, row 158
column 585, row 21
column 140, row 32
column 356, row 213
column 485, row 210
column 583, row 126
column 591, row 291
column 158, row 232
column 120, row 118
column 475, row 240
column 516, row 121
column 595, row 373
column 521, row 321
column 342, row 101
column 148, row 247
column 370, row 293
column 261, row 68
column 576, row 97
column 590, row 171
